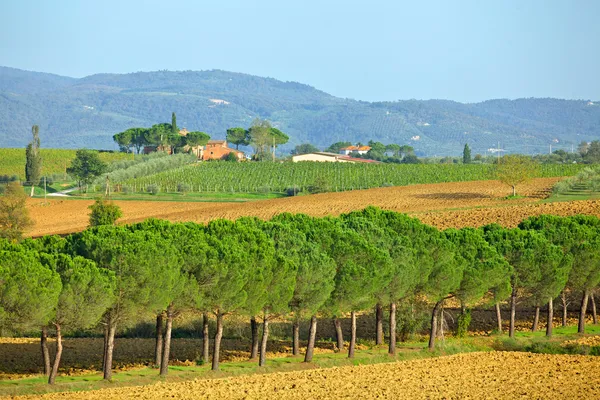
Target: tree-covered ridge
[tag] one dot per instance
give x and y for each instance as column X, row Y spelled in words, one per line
column 87, row 112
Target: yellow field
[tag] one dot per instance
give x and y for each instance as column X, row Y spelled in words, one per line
column 495, row 375
column 435, row 204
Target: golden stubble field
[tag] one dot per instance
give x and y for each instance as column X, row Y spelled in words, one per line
column 441, row 205
column 494, row 375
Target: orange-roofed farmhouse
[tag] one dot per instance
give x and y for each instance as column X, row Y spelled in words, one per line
column 218, row 150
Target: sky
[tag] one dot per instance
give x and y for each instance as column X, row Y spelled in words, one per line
column 463, row 50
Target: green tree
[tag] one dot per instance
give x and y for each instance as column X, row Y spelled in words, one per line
column 33, row 165
column 375, row 226
column 305, row 148
column 394, row 149
column 174, row 129
column 514, row 169
column 143, row 264
column 87, row 292
column 14, row 216
column 238, row 136
column 29, row 290
column 86, row 166
column 337, row 146
column 467, row 154
column 527, row 253
column 260, row 138
column 158, row 135
column 485, row 271
column 196, row 138
column 577, row 236
column 593, row 152
column 104, row 213
column 124, row 140
column 232, row 261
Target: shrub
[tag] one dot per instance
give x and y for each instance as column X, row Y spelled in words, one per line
column 183, row 187
column 293, row 191
column 152, row 189
column 462, row 324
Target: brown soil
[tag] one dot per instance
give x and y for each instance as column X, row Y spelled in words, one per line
column 435, row 204
column 494, row 375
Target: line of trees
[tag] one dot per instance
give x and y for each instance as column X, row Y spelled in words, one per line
column 262, row 136
column 293, row 265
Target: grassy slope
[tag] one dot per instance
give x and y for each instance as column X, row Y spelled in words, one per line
column 406, row 351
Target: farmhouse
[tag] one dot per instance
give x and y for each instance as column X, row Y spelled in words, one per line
column 218, row 150
column 330, row 157
column 355, row 149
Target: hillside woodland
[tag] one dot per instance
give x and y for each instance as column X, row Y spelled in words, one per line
column 87, row 112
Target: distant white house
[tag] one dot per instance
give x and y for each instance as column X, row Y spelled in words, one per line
column 323, row 156
column 355, row 149
column 320, row 156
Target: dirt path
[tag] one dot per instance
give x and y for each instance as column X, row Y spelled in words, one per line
column 434, row 203
column 494, row 375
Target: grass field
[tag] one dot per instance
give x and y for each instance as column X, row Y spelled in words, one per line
column 54, row 161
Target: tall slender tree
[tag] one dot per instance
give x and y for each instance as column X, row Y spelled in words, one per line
column 174, row 129
column 33, row 166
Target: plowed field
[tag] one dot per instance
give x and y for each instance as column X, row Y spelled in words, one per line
column 435, row 204
column 493, row 375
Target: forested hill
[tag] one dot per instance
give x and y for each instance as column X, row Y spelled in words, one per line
column 86, row 112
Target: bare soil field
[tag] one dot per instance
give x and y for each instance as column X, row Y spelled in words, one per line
column 494, row 375
column 436, row 204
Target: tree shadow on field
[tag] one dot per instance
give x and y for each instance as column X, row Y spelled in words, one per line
column 453, row 196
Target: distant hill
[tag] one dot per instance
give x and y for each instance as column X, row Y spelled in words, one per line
column 86, row 112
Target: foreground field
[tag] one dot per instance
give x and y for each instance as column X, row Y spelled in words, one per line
column 444, row 205
column 492, row 375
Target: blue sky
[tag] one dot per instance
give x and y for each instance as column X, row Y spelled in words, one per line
column 367, row 50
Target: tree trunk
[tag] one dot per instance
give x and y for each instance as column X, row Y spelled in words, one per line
column 392, row 345
column 536, row 319
column 164, row 364
column 296, row 338
column 262, row 358
column 312, row 335
column 513, row 308
column 582, row 312
column 105, row 352
column 110, row 347
column 254, row 329
column 514, row 191
column 563, row 298
column 217, row 342
column 32, row 188
column 549, row 319
column 499, row 317
column 339, row 335
column 352, row 335
column 434, row 323
column 159, row 340
column 45, row 352
column 379, row 324
column 594, row 315
column 59, row 348
column 205, row 338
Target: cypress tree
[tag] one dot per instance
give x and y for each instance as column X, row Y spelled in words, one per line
column 33, row 165
column 467, row 155
column 174, row 124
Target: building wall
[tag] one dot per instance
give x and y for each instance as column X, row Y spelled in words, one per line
column 317, row 157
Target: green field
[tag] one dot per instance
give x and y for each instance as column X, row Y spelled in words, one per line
column 54, row 161
column 268, row 177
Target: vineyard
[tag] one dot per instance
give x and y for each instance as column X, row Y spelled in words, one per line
column 324, row 177
column 54, row 161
